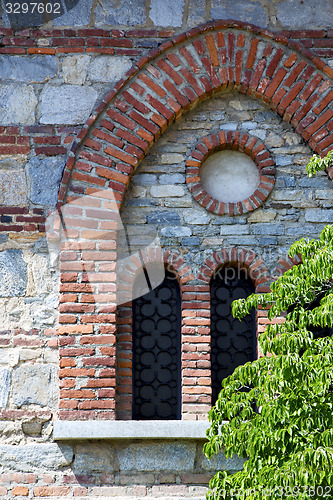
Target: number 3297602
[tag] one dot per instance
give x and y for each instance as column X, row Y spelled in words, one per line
column 34, row 7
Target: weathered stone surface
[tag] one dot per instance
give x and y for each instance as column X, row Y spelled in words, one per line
column 285, row 181
column 32, row 384
column 45, row 176
column 196, row 14
column 13, row 273
column 268, row 241
column 166, row 190
column 165, row 217
column 126, row 12
column 12, row 187
column 108, row 68
column 275, row 229
column 220, row 462
column 171, row 158
column 273, row 140
column 194, row 216
column 167, row 12
column 67, row 104
column 36, row 69
column 262, row 216
column 176, row 231
column 239, row 229
column 79, row 15
column 75, row 69
column 293, row 13
column 191, row 241
column 145, row 179
column 281, row 160
column 5, row 383
column 172, row 179
column 324, row 194
column 157, row 456
column 319, row 215
column 93, row 457
column 35, row 456
column 17, row 104
column 9, row 356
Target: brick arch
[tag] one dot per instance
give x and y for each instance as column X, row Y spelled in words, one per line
column 246, row 259
column 178, row 74
column 284, row 264
column 157, row 91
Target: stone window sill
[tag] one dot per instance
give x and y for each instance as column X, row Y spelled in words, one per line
column 129, row 429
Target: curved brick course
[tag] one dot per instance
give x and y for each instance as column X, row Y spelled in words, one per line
column 236, row 141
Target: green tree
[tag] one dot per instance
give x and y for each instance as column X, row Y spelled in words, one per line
column 277, row 412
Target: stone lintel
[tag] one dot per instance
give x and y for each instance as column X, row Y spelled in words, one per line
column 129, row 429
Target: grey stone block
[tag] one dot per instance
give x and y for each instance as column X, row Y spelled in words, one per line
column 238, row 229
column 293, row 13
column 165, row 217
column 32, row 457
column 191, row 241
column 281, row 160
column 320, row 181
column 157, row 456
column 176, row 231
column 67, row 104
column 167, row 12
column 268, row 241
column 319, row 215
column 172, row 179
column 37, row 69
column 17, row 104
column 13, row 273
column 32, row 384
column 242, row 240
column 5, row 384
column 13, row 189
column 108, row 68
column 196, row 14
column 274, row 229
column 194, row 216
column 166, row 191
column 45, row 176
column 79, row 15
column 250, row 11
column 95, row 457
column 220, row 462
column 145, row 179
column 124, row 12
column 285, row 181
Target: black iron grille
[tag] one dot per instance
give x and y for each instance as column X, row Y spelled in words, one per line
column 233, row 342
column 157, row 353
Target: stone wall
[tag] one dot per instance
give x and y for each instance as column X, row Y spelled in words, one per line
column 51, row 78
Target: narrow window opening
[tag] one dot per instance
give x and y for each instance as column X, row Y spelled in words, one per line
column 157, row 352
column 233, row 342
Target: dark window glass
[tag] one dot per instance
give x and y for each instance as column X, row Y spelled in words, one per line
column 233, row 342
column 157, row 353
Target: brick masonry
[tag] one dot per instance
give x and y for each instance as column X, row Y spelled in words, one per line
column 224, row 78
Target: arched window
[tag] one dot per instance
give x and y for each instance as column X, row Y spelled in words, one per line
column 233, row 342
column 157, row 353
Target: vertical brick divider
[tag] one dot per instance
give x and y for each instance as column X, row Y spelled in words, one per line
column 88, row 305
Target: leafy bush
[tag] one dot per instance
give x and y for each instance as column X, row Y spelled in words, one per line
column 278, row 410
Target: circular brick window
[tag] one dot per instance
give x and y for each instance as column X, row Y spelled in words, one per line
column 230, row 173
